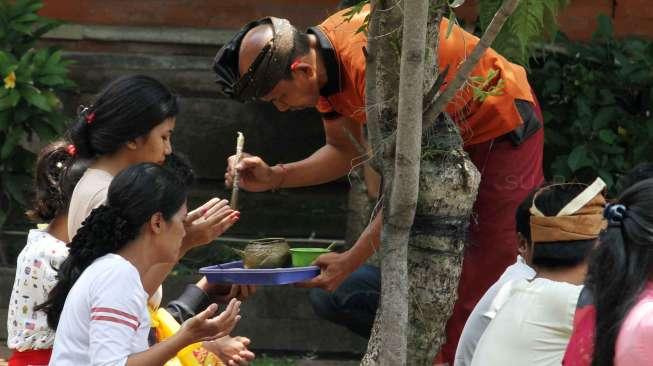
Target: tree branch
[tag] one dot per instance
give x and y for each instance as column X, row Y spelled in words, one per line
column 433, row 109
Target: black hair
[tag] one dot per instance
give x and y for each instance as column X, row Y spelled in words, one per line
column 301, row 46
column 638, row 173
column 57, row 173
column 134, row 195
column 558, row 254
column 620, row 267
column 179, row 165
column 127, row 108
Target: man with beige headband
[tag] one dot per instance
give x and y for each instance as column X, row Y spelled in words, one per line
column 532, row 320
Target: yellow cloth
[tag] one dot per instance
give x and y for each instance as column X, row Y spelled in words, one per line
column 192, row 355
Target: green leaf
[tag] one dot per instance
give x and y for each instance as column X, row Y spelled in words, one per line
column 5, row 103
column 609, row 149
column 13, row 137
column 23, row 114
column 51, row 80
column 15, row 185
column 608, row 136
column 5, row 120
column 48, row 26
column 41, row 57
column 53, row 100
column 43, row 130
column 29, row 17
column 603, row 117
column 579, row 158
column 35, row 98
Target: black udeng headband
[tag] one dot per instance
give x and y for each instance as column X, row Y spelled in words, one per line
column 267, row 69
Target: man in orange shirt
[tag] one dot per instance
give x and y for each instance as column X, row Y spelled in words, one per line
column 270, row 60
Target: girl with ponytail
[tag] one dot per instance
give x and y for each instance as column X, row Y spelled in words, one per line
column 99, row 304
column 620, row 277
column 29, row 336
column 131, row 121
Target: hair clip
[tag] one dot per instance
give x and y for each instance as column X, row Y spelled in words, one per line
column 71, row 150
column 90, row 118
column 294, row 65
column 614, row 212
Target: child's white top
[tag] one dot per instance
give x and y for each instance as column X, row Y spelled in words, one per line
column 35, row 277
column 105, row 318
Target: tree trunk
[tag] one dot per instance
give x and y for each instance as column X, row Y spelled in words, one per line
column 448, row 187
column 381, row 84
column 401, row 195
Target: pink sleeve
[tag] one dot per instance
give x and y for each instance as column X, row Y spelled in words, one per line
column 636, row 337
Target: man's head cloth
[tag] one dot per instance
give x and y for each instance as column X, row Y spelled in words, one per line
column 267, row 69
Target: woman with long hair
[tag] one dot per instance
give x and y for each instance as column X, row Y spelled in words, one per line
column 98, row 305
column 620, row 277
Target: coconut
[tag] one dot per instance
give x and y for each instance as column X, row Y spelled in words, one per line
column 265, row 253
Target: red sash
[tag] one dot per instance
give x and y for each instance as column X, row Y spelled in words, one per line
column 35, row 357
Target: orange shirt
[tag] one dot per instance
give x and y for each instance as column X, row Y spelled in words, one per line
column 478, row 121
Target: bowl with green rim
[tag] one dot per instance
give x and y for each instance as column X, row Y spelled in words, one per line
column 302, row 257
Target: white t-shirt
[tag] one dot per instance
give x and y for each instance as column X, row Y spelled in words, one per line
column 89, row 193
column 477, row 321
column 35, row 277
column 105, row 318
column 531, row 324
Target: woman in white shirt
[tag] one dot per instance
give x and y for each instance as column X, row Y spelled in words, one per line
column 532, row 319
column 98, row 307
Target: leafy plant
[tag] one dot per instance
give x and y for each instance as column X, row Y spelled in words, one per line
column 597, row 99
column 29, row 105
column 532, row 21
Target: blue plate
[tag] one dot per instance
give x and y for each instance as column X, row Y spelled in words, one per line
column 233, row 272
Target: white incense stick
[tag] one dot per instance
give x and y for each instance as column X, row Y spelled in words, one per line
column 240, row 142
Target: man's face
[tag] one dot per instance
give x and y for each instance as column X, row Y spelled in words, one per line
column 300, row 92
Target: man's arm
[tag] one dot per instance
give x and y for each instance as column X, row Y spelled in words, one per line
column 330, row 162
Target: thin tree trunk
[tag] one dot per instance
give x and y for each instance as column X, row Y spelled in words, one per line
column 402, row 200
column 382, row 83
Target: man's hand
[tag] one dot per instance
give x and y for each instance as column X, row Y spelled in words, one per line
column 336, row 267
column 207, row 222
column 255, row 174
column 231, row 350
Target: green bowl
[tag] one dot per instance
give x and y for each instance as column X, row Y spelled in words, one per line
column 302, row 257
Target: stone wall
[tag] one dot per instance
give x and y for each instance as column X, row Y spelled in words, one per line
column 578, row 20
